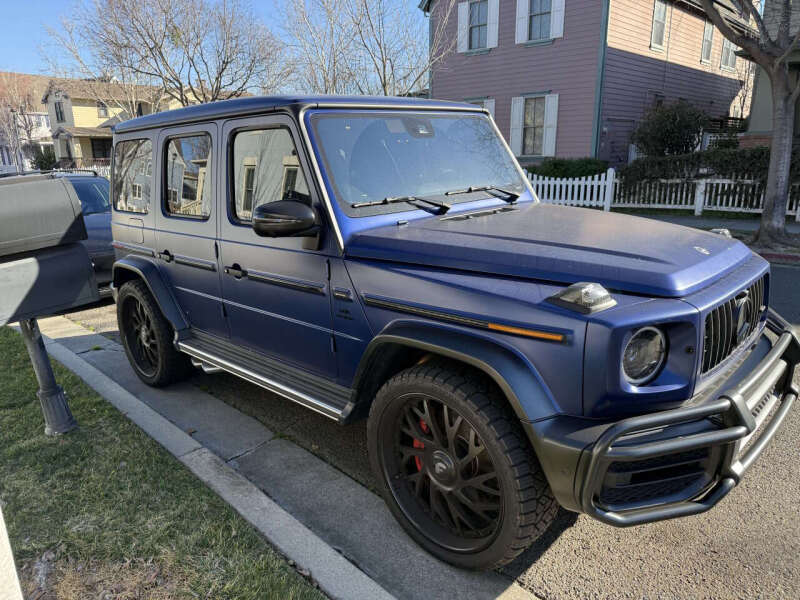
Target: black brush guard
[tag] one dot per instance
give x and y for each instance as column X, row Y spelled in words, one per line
column 732, row 409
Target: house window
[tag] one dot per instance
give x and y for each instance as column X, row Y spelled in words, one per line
column 728, row 54
column 478, row 23
column 186, row 160
column 266, row 169
column 708, row 41
column 130, row 185
column 59, row 106
column 539, row 20
column 102, row 110
column 533, row 127
column 659, row 24
column 101, row 147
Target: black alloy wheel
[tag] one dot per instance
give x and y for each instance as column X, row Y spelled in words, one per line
column 455, row 467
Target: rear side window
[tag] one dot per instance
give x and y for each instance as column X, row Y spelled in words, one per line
column 187, row 173
column 265, row 169
column 93, row 195
column 131, row 182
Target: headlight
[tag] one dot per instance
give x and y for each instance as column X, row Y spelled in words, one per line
column 644, row 355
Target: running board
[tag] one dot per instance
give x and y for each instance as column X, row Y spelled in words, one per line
column 199, row 350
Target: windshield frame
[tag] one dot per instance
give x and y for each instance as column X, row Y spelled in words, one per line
column 340, row 206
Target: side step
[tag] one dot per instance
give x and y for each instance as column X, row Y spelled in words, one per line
column 302, row 388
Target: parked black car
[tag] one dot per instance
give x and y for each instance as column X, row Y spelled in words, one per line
column 93, row 192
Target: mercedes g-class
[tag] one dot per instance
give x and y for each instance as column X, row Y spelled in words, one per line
column 387, row 259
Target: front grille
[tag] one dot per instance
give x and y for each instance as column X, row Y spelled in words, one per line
column 722, row 332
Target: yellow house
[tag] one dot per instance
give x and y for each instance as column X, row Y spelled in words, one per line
column 81, row 116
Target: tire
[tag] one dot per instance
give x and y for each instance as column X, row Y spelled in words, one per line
column 482, row 461
column 151, row 354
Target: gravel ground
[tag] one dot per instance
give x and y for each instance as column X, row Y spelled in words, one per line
column 746, row 547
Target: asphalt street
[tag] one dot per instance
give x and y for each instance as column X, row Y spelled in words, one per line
column 746, row 547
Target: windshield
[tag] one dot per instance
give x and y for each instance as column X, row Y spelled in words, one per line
column 369, row 157
column 93, row 195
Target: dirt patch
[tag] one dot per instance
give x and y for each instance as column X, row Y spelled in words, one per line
column 70, row 579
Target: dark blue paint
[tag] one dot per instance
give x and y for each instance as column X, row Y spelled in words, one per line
column 500, row 268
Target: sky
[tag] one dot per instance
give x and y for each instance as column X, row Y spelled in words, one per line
column 23, row 30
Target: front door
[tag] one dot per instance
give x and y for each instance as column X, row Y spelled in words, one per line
column 186, row 224
column 276, row 290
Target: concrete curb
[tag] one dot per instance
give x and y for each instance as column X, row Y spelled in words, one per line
column 335, row 575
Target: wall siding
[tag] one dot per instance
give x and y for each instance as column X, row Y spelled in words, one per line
column 635, row 73
column 567, row 66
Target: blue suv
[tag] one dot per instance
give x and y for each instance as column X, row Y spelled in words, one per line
column 387, row 259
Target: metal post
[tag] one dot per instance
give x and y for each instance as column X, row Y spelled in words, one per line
column 57, row 416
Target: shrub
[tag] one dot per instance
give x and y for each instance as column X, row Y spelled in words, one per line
column 741, row 163
column 670, row 129
column 44, row 160
column 569, row 167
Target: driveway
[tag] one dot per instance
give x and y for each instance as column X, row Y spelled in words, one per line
column 747, row 547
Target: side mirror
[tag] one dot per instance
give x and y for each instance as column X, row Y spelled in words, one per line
column 284, row 218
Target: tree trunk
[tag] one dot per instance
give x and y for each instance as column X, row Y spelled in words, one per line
column 776, row 196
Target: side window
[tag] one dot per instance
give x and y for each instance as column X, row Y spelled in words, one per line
column 131, row 183
column 265, row 169
column 187, row 176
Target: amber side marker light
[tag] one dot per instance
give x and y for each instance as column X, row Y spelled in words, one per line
column 532, row 333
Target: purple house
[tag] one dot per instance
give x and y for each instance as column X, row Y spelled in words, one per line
column 571, row 78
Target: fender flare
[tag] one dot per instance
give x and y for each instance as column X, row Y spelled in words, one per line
column 145, row 270
column 514, row 374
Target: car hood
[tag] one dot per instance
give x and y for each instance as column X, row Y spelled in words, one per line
column 562, row 244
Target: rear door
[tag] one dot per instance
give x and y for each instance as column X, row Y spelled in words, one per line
column 276, row 290
column 186, row 223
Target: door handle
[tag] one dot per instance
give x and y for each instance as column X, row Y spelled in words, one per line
column 235, row 271
column 166, row 256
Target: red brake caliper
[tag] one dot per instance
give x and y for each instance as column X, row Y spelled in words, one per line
column 418, row 444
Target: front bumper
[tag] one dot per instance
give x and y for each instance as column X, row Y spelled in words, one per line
column 676, row 462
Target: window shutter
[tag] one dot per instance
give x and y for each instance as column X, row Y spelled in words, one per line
column 523, row 7
column 517, row 116
column 488, row 104
column 557, row 19
column 463, row 26
column 492, row 23
column 550, row 124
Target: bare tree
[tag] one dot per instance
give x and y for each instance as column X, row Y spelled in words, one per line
column 379, row 47
column 98, row 71
column 195, row 50
column 17, row 124
column 771, row 51
column 322, row 43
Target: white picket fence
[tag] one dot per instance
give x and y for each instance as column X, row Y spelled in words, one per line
column 606, row 191
column 591, row 191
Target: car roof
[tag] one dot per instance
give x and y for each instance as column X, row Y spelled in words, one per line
column 257, row 104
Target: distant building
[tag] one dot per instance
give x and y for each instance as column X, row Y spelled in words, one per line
column 759, row 130
column 33, row 125
column 82, row 114
column 572, row 78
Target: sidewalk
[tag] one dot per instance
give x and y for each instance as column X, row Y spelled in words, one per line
column 325, row 521
column 701, row 222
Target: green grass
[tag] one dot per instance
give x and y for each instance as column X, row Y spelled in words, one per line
column 105, row 508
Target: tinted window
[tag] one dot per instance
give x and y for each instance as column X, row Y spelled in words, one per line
column 93, row 195
column 265, row 169
column 131, row 184
column 187, row 173
column 370, row 157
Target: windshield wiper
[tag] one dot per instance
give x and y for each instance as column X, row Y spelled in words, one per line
column 440, row 206
column 507, row 195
